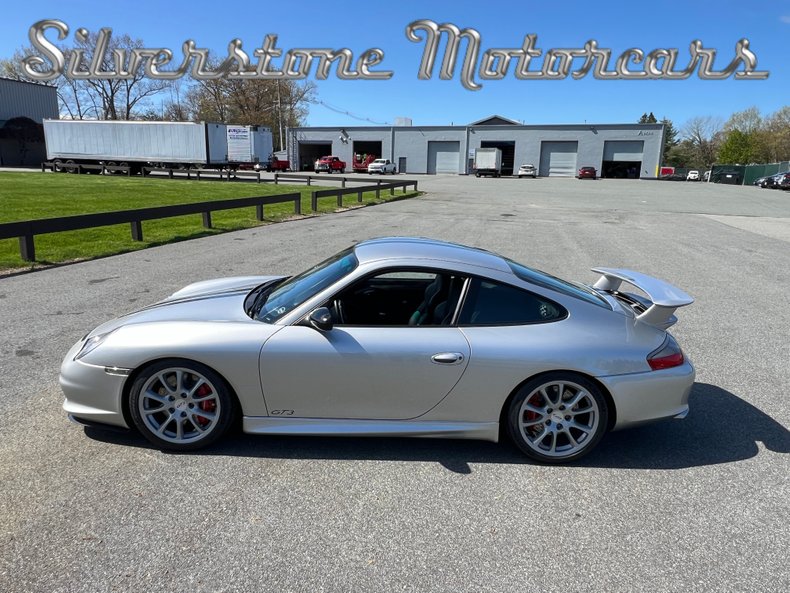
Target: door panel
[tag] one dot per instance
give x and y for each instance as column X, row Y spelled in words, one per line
column 361, row 372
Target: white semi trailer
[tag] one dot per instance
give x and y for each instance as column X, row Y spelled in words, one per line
column 156, row 143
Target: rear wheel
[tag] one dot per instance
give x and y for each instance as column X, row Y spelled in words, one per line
column 557, row 417
column 181, row 405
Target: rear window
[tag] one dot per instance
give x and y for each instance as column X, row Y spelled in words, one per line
column 544, row 280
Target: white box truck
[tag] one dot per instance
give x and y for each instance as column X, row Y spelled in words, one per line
column 156, row 143
column 488, row 161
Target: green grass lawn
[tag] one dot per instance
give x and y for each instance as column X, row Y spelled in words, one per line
column 26, row 196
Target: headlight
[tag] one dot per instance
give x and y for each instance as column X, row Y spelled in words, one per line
column 91, row 344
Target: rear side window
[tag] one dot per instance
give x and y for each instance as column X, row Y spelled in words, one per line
column 492, row 303
column 544, row 280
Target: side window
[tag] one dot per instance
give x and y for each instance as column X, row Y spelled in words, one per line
column 492, row 303
column 399, row 297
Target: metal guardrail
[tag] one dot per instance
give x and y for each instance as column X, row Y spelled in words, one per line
column 26, row 230
column 343, row 191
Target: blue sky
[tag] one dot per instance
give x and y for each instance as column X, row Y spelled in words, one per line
column 361, row 25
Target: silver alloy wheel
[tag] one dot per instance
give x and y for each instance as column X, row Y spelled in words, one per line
column 559, row 419
column 179, row 405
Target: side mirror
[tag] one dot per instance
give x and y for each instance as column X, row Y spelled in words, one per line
column 321, row 319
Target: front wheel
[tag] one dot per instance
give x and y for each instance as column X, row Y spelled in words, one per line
column 181, row 405
column 557, row 417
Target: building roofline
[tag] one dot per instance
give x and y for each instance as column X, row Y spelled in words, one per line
column 656, row 126
column 497, row 116
column 38, row 84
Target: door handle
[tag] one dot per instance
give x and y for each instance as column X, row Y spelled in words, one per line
column 447, row 358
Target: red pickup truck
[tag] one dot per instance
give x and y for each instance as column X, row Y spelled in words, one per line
column 330, row 164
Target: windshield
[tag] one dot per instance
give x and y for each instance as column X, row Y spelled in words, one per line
column 572, row 289
column 379, row 161
column 298, row 289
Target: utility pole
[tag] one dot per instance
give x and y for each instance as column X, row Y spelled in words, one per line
column 280, row 115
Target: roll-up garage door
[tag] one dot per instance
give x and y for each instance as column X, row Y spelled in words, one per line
column 558, row 159
column 444, row 157
column 623, row 150
column 622, row 159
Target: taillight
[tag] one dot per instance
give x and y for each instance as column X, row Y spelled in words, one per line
column 667, row 356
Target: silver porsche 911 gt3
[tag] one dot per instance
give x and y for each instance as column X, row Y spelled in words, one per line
column 395, row 336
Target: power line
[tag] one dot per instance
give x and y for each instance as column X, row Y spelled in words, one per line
column 351, row 115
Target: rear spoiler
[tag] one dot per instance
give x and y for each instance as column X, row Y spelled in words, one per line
column 664, row 298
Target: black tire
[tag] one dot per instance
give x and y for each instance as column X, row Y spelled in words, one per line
column 189, row 413
column 540, row 434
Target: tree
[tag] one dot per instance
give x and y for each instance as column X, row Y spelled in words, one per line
column 776, row 132
column 95, row 98
column 680, row 155
column 274, row 103
column 737, row 148
column 648, row 119
column 703, row 137
column 670, row 138
column 747, row 121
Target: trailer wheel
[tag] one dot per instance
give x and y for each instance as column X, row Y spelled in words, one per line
column 72, row 166
column 57, row 166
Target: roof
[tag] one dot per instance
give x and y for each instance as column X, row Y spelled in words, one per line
column 495, row 120
column 422, row 248
column 35, row 83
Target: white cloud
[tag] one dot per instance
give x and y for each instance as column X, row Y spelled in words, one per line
column 785, row 19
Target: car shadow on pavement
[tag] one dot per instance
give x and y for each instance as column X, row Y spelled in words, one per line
column 720, row 428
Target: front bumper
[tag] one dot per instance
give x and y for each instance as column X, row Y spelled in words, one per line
column 646, row 397
column 93, row 393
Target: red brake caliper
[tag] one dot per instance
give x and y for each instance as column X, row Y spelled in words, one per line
column 207, row 406
column 530, row 415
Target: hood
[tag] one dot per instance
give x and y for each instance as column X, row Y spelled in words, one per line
column 220, row 300
column 219, row 286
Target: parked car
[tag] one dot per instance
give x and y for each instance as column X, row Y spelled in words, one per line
column 527, row 170
column 782, row 181
column 706, row 176
column 587, row 173
column 391, row 337
column 382, row 166
column 330, row 164
column 692, row 175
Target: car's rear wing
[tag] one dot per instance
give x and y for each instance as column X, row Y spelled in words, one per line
column 664, row 298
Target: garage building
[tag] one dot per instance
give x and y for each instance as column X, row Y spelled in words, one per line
column 23, row 108
column 615, row 150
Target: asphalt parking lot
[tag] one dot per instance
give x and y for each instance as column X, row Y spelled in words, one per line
column 701, row 504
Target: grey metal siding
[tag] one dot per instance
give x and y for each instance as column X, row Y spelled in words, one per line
column 411, row 143
column 23, row 99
